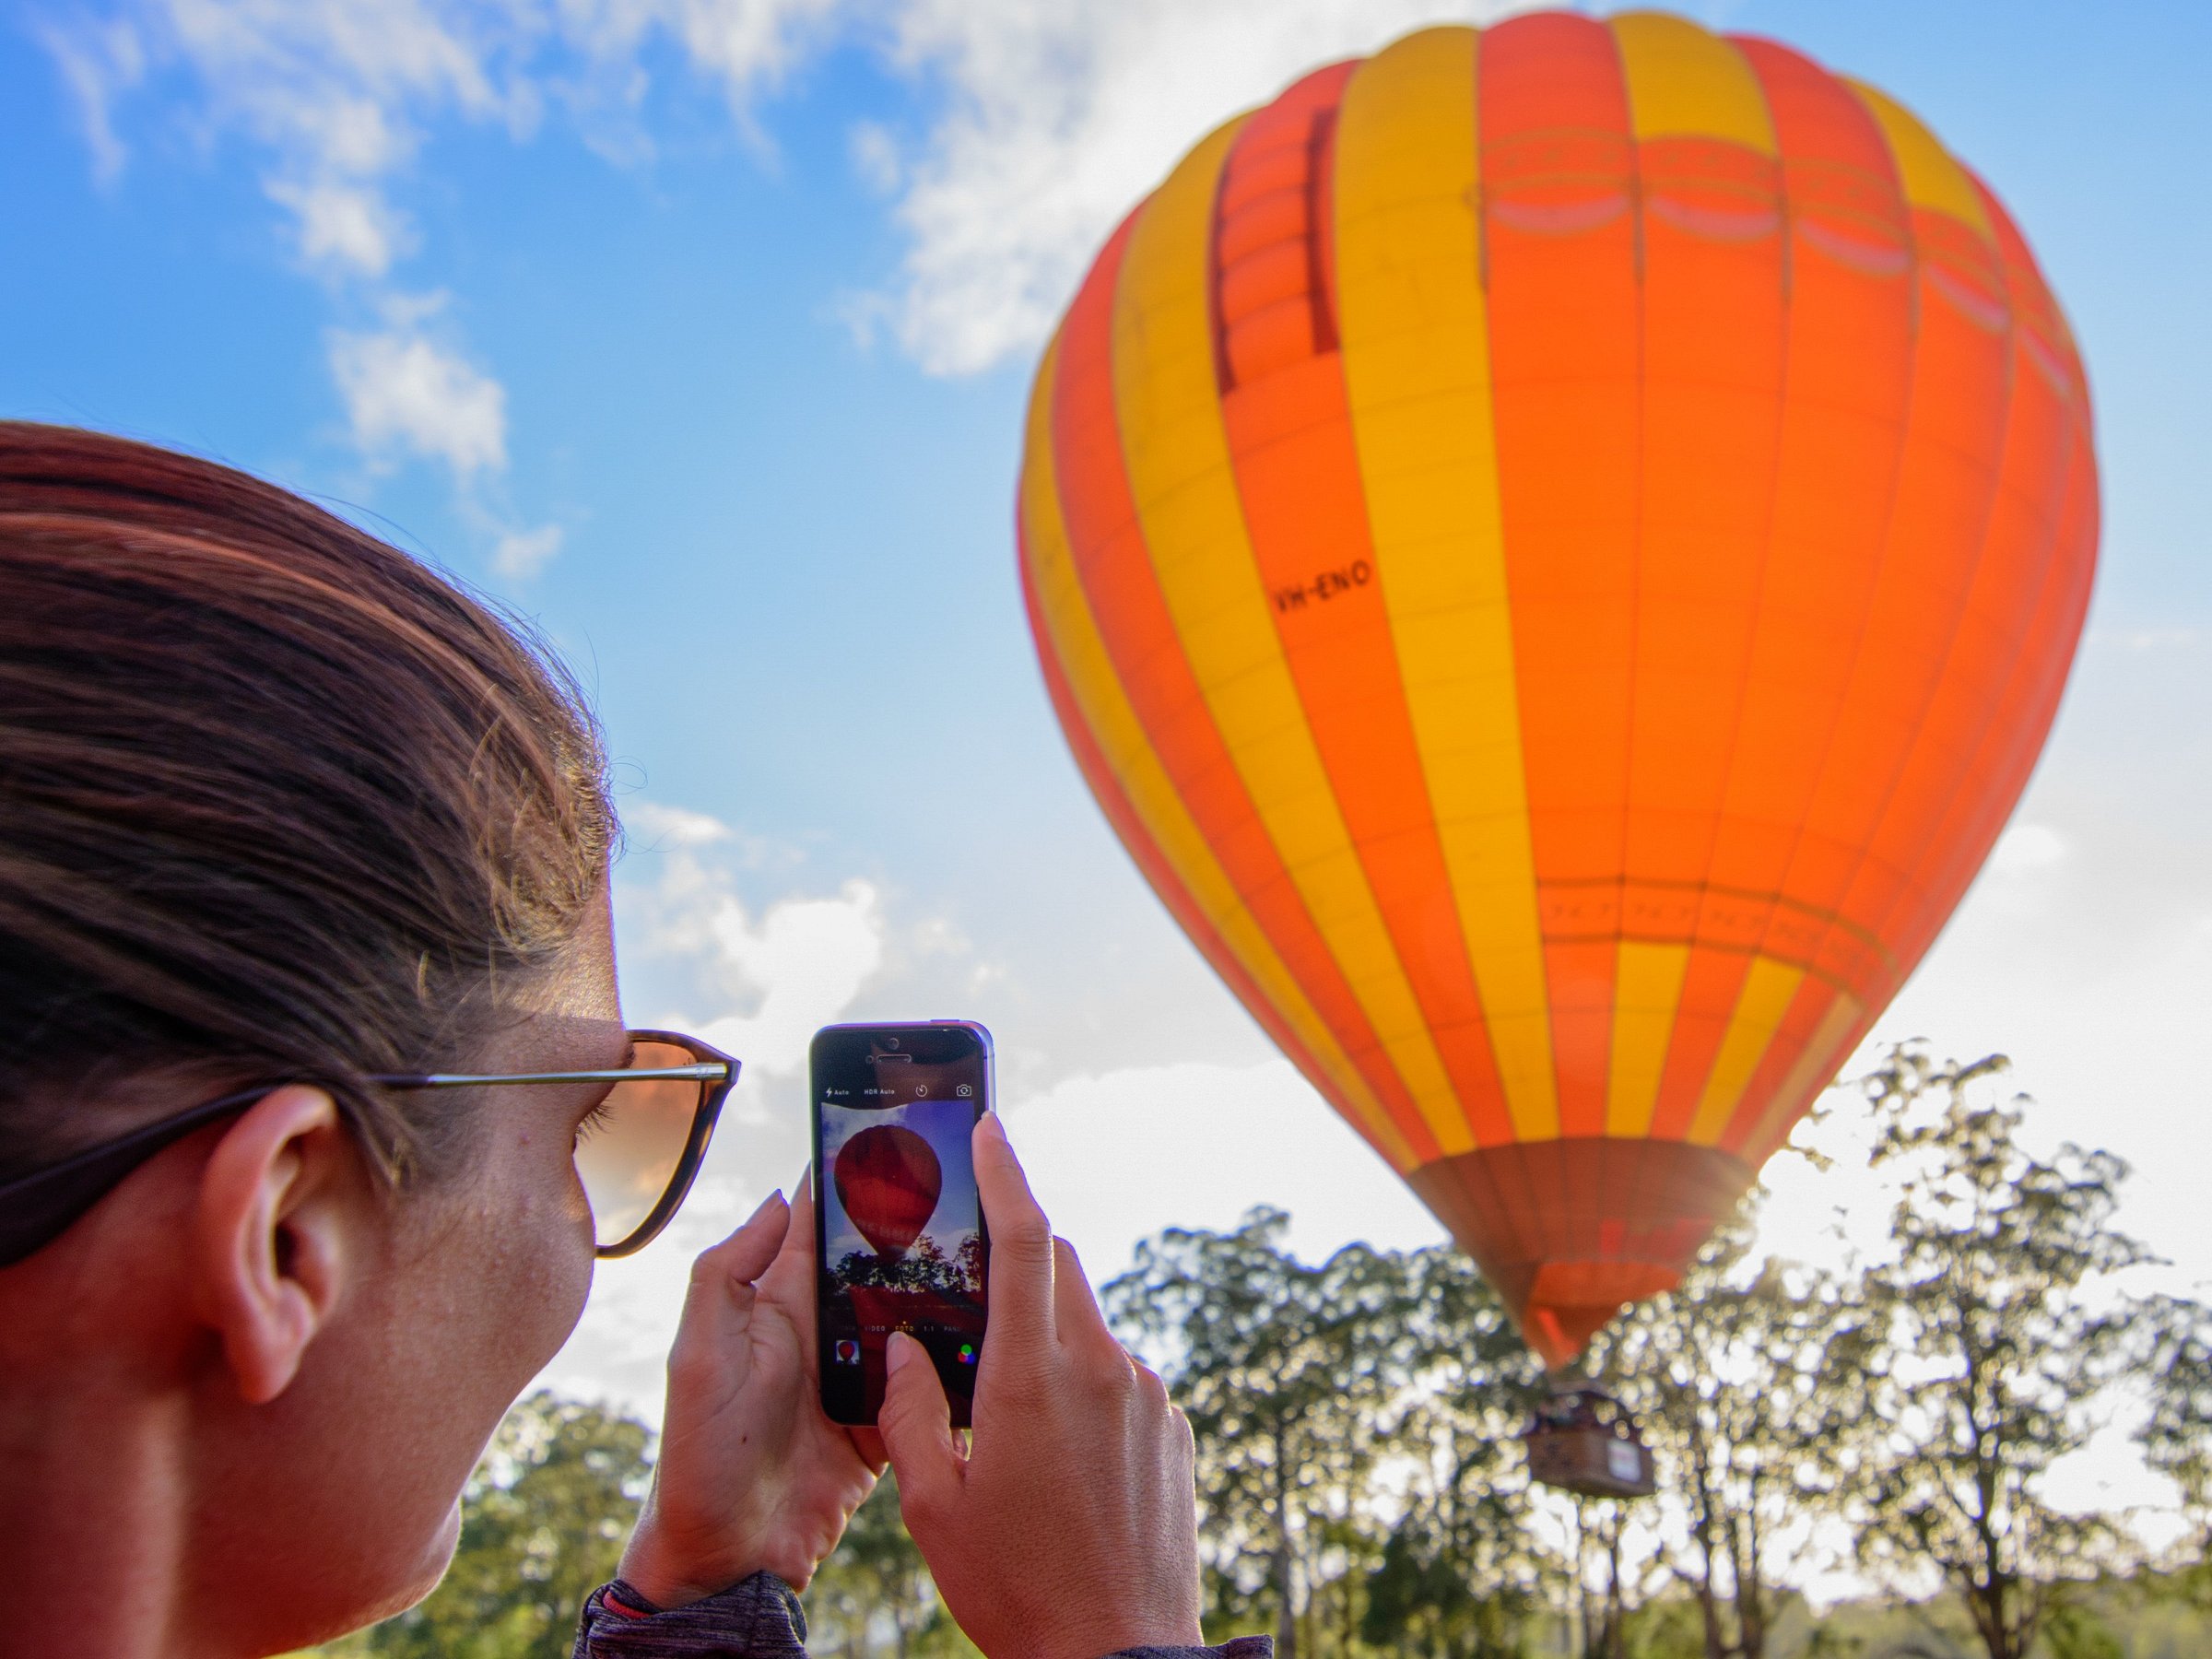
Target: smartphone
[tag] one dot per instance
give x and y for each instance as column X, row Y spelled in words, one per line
column 899, row 1237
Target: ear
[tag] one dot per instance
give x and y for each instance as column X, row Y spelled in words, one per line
column 276, row 1230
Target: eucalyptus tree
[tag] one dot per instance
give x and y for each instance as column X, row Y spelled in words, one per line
column 2000, row 1334
column 1746, row 1377
column 1273, row 1362
column 2176, row 1433
column 1464, row 1570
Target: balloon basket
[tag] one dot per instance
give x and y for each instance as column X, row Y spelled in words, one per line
column 1581, row 1440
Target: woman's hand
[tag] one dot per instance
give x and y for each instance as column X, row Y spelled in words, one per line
column 751, row 1474
column 1071, row 1530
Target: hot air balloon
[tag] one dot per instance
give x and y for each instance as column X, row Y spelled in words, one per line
column 887, row 1180
column 1556, row 549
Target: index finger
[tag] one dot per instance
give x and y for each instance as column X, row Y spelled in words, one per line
column 1021, row 1288
column 790, row 1278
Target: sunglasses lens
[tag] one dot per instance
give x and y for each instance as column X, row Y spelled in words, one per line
column 631, row 1144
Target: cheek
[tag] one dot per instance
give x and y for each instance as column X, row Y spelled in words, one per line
column 516, row 1264
column 544, row 1271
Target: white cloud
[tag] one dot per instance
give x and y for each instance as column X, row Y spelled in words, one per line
column 744, row 44
column 337, row 94
column 875, row 153
column 334, row 92
column 2025, row 849
column 344, row 226
column 521, row 554
column 1057, row 119
column 1117, row 1156
column 98, row 62
column 664, row 825
column 2164, row 638
column 1049, row 121
column 805, row 959
column 771, row 975
column 407, row 395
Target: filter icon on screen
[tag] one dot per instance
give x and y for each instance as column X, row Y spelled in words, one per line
column 847, row 1351
column 967, row 1353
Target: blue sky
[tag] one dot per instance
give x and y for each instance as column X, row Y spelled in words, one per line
column 700, row 329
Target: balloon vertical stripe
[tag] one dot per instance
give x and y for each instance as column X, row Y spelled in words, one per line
column 1145, row 656
column 1182, row 480
column 1842, row 1020
column 1372, row 1124
column 1416, row 350
column 1714, row 391
column 1684, row 82
column 2019, row 544
column 1849, row 355
column 1167, row 845
column 1938, row 509
column 2025, row 552
column 1769, row 989
column 1289, row 431
column 1932, row 179
column 1562, row 265
column 1558, row 550
column 1560, row 272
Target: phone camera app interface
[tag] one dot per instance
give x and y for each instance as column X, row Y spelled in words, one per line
column 902, row 1234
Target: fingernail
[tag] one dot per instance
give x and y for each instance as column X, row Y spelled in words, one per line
column 990, row 1120
column 767, row 1203
column 897, row 1352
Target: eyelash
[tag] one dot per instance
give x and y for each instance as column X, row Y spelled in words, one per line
column 590, row 1122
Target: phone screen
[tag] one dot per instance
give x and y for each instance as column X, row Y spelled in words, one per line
column 900, row 1242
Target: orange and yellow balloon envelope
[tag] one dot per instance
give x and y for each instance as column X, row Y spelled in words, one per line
column 1557, row 548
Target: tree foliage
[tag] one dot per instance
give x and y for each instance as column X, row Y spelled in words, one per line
column 1997, row 1338
column 1746, row 1377
column 1462, row 1573
column 1269, row 1363
column 2177, row 1433
column 922, row 1266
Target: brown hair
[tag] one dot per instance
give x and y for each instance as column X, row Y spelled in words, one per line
column 276, row 799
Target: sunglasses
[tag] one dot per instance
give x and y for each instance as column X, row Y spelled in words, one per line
column 638, row 1149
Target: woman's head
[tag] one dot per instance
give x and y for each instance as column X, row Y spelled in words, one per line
column 279, row 804
column 277, row 798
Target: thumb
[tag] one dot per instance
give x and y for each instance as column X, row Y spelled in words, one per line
column 916, row 1425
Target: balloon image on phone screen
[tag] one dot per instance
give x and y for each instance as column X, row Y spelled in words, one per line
column 900, row 1242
